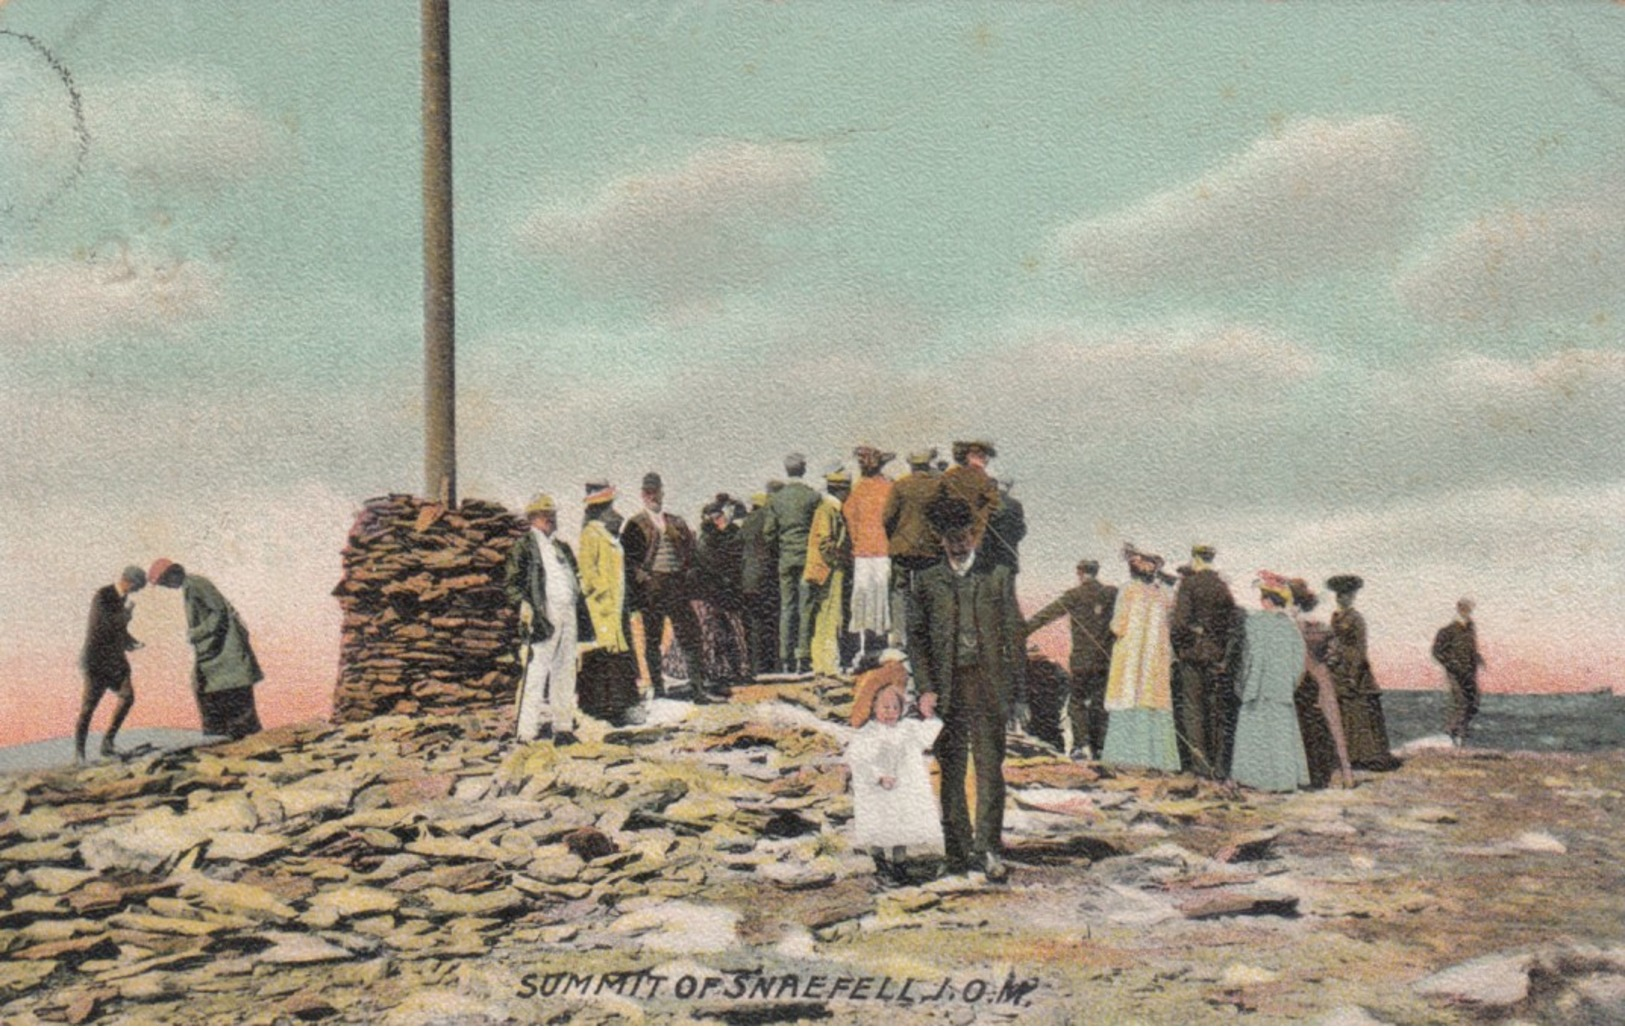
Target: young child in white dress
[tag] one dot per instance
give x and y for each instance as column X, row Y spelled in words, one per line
column 892, row 802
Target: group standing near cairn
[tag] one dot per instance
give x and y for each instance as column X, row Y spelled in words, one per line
column 913, row 580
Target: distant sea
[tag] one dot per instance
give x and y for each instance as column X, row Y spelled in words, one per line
column 1513, row 722
column 1505, row 722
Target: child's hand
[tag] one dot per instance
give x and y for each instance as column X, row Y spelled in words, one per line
column 888, row 782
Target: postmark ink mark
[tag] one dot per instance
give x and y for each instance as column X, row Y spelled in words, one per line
column 81, row 132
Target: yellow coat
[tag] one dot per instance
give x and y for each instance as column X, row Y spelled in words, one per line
column 603, row 584
column 1142, row 661
column 827, row 525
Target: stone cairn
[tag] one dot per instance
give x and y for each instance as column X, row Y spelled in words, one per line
column 427, row 627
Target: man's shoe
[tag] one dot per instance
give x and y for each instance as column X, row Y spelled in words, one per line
column 565, row 739
column 803, row 666
column 994, row 867
column 887, row 874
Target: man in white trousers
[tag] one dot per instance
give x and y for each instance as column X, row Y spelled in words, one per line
column 543, row 582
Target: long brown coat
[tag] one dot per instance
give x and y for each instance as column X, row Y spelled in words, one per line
column 977, row 489
column 908, row 534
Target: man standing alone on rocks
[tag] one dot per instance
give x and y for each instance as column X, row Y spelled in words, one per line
column 967, row 646
column 1203, row 612
column 543, row 581
column 104, row 660
column 789, row 520
column 224, row 669
column 1456, row 648
column 1088, row 607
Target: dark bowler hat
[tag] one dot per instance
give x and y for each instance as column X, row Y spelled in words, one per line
column 1089, row 566
column 651, row 481
column 1344, row 584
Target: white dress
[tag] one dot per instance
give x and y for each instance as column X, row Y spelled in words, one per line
column 908, row 815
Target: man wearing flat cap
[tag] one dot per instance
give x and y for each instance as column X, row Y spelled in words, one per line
column 104, row 659
column 789, row 521
column 969, row 481
column 910, row 543
column 1088, row 608
column 967, row 646
column 1456, row 648
column 1359, row 700
column 660, row 554
column 1204, row 612
column 543, row 581
column 224, row 668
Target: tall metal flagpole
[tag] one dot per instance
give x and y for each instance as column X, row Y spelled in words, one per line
column 439, row 290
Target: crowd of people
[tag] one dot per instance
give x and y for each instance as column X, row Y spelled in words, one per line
column 910, row 583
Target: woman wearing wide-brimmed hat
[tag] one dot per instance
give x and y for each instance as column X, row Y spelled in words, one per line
column 607, row 683
column 1139, row 689
column 1360, row 699
column 1268, row 752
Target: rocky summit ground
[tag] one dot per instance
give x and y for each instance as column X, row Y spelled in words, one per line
column 695, row 869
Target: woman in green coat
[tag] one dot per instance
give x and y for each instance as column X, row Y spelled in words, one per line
column 224, row 669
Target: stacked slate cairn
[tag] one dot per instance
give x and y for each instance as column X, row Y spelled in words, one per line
column 427, row 627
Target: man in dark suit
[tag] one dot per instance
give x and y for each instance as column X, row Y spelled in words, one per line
column 104, row 661
column 1456, row 648
column 967, row 645
column 789, row 519
column 1200, row 631
column 659, row 550
column 1088, row 608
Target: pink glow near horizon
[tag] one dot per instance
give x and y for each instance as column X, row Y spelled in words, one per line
column 42, row 689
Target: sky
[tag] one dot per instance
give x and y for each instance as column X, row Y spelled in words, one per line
column 1332, row 287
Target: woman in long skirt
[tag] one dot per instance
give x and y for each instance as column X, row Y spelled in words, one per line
column 1139, row 692
column 1269, row 751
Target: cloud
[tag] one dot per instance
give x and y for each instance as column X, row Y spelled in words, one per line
column 163, row 131
column 1317, row 197
column 117, row 291
column 1522, row 265
column 686, row 233
column 1477, row 420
